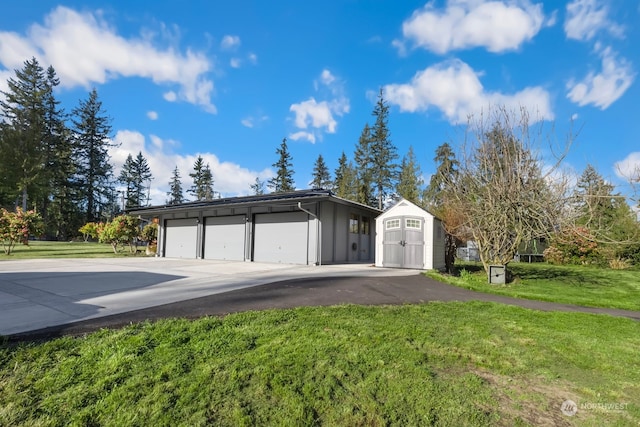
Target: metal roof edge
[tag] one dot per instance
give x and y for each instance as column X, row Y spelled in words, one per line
column 278, row 198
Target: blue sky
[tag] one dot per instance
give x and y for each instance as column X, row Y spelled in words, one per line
column 229, row 80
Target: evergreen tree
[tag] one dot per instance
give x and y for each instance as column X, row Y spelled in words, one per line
column 202, row 187
column 135, row 174
column 321, row 175
column 92, row 140
column 126, row 178
column 410, row 179
column 601, row 210
column 383, row 152
column 363, row 168
column 435, row 199
column 175, row 189
column 257, row 187
column 345, row 184
column 60, row 209
column 283, row 181
column 446, row 171
column 22, row 152
column 142, row 178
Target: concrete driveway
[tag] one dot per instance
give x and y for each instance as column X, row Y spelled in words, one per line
column 36, row 294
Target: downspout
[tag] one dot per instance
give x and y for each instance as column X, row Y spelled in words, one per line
column 319, row 233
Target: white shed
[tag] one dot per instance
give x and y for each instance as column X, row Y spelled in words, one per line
column 407, row 236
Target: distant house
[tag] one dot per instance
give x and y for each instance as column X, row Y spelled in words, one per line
column 407, row 236
column 300, row 227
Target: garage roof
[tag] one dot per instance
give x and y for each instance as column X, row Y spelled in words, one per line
column 289, row 198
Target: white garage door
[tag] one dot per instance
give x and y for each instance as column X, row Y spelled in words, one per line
column 181, row 237
column 224, row 237
column 281, row 237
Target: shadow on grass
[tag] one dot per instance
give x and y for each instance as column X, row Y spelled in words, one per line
column 570, row 274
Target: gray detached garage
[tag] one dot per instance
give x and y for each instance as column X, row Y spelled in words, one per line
column 300, row 227
column 409, row 237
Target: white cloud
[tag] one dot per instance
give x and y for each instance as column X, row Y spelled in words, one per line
column 454, row 88
column 85, row 50
column 253, row 58
column 320, row 116
column 235, row 62
column 604, row 88
column 170, row 96
column 253, row 121
column 327, row 78
column 629, row 167
column 230, row 42
column 314, row 114
column 585, row 18
column 230, row 179
column 152, row 115
column 495, row 25
column 303, row 135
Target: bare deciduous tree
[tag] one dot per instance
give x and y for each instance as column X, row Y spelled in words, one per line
column 504, row 191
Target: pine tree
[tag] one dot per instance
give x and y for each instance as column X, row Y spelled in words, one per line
column 436, row 196
column 321, row 175
column 363, row 168
column 92, row 140
column 126, row 178
column 22, row 152
column 383, row 152
column 60, row 208
column 345, row 184
column 410, row 180
column 257, row 187
column 283, row 181
column 603, row 211
column 446, row 171
column 175, row 189
column 202, row 187
column 135, row 175
column 142, row 178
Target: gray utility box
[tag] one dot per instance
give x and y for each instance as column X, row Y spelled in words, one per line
column 497, row 274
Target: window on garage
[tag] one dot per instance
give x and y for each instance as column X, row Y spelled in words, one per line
column 354, row 223
column 366, row 223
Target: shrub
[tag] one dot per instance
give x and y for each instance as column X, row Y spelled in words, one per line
column 16, row 227
column 619, row 264
column 574, row 246
column 90, row 229
column 150, row 233
column 123, row 229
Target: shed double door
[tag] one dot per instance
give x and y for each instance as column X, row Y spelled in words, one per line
column 403, row 243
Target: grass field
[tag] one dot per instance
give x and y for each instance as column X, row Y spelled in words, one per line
column 570, row 284
column 45, row 249
column 449, row 364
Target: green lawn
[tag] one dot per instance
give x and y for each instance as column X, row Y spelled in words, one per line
column 44, row 249
column 579, row 285
column 449, row 364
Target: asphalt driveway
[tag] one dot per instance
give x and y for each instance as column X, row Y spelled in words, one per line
column 37, row 294
column 113, row 293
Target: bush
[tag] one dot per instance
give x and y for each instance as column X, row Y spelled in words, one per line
column 575, row 246
column 16, row 227
column 90, row 229
column 124, row 229
column 150, row 233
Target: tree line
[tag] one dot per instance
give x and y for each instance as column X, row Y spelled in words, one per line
column 494, row 189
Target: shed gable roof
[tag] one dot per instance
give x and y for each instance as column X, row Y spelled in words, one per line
column 405, row 207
